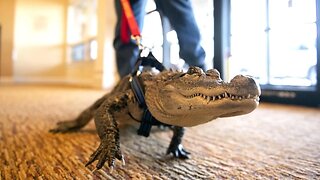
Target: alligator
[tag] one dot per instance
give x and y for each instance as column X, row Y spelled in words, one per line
column 174, row 98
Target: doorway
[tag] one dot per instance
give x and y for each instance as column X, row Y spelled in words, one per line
column 276, row 42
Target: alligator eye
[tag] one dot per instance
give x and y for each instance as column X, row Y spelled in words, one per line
column 213, row 73
column 195, row 70
column 181, row 75
column 178, row 75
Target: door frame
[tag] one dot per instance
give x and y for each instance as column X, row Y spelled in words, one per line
column 270, row 93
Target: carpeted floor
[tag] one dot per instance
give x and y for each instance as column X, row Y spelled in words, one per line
column 273, row 142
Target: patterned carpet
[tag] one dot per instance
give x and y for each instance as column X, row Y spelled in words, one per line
column 273, row 142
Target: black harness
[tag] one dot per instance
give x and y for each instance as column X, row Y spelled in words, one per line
column 147, row 120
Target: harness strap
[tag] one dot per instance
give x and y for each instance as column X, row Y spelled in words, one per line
column 147, row 120
column 128, row 21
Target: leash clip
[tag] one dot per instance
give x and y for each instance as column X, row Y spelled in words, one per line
column 138, row 40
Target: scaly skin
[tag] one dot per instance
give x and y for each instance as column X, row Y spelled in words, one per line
column 174, row 98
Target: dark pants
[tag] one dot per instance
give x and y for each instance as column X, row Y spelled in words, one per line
column 181, row 18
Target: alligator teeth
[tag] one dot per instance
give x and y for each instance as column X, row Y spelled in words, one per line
column 223, row 95
column 208, row 99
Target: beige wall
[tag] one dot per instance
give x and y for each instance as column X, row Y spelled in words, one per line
column 35, row 30
column 7, row 9
column 39, row 39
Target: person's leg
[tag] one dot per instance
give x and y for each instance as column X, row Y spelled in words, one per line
column 181, row 18
column 127, row 53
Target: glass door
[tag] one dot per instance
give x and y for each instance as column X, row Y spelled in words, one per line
column 293, row 42
column 248, row 47
column 276, row 42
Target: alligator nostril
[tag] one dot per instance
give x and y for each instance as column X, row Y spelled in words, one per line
column 251, row 80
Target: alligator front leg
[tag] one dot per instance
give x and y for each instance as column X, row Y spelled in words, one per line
column 175, row 146
column 107, row 128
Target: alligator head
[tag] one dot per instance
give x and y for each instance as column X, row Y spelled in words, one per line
column 196, row 97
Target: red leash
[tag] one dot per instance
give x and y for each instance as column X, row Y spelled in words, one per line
column 128, row 21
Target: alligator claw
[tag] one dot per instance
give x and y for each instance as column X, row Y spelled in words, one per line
column 65, row 126
column 111, row 169
column 123, row 161
column 106, row 152
column 94, row 170
column 179, row 152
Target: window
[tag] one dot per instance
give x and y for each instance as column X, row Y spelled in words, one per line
column 82, row 30
column 276, row 41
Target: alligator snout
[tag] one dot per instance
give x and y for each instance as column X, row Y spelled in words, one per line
column 247, row 82
column 242, row 79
